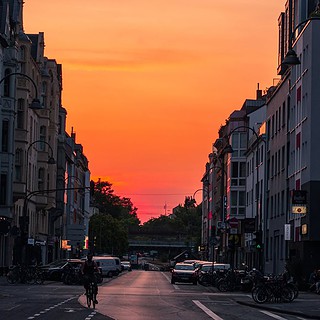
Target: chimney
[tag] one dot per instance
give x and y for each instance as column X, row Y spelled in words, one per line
column 259, row 93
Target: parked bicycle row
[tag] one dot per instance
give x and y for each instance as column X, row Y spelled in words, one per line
column 264, row 288
column 66, row 271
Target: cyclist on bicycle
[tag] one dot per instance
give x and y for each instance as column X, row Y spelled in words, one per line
column 88, row 269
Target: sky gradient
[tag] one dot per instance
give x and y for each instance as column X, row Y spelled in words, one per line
column 148, row 83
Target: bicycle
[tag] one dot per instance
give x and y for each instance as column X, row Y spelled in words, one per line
column 91, row 295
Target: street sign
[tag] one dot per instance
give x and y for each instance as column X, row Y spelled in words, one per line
column 233, row 222
column 235, row 238
column 233, row 231
column 287, row 232
column 215, row 241
column 299, row 197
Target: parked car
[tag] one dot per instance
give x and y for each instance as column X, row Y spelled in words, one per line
column 126, row 265
column 184, row 272
column 55, row 270
column 110, row 266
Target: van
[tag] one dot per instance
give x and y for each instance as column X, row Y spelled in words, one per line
column 110, row 266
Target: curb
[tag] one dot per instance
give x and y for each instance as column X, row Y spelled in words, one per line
column 284, row 311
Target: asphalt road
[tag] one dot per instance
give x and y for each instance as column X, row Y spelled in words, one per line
column 144, row 295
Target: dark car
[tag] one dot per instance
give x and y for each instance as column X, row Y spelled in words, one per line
column 184, row 272
column 55, row 270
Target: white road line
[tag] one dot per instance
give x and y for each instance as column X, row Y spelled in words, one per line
column 16, row 306
column 272, row 315
column 175, row 286
column 206, row 310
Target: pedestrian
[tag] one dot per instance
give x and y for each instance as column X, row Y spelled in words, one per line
column 314, row 280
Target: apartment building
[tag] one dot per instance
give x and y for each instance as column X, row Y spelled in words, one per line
column 33, row 165
column 284, row 164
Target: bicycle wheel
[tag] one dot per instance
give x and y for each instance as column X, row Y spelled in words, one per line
column 223, row 286
column 287, row 294
column 204, row 280
column 30, row 277
column 294, row 289
column 12, row 277
column 39, row 278
column 260, row 294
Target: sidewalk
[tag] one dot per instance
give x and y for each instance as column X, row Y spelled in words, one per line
column 306, row 305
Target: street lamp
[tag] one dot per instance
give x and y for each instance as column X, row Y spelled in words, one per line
column 50, row 160
column 291, row 58
column 206, row 190
column 35, row 104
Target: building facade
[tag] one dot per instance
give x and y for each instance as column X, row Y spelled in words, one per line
column 34, row 146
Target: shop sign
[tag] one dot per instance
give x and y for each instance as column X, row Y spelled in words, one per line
column 302, row 209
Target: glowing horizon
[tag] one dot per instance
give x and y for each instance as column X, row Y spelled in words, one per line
column 147, row 84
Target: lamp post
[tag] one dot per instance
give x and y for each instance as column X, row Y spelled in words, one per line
column 50, row 160
column 291, row 58
column 35, row 104
column 74, row 204
column 206, row 190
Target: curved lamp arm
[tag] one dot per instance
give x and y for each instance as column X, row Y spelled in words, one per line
column 35, row 104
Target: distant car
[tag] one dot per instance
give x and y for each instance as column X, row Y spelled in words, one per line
column 184, row 272
column 55, row 270
column 110, row 266
column 126, row 265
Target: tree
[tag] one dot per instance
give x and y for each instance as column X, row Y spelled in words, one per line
column 107, row 235
column 108, row 230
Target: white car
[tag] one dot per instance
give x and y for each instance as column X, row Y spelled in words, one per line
column 126, row 265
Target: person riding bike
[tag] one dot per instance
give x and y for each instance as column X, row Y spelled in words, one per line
column 88, row 269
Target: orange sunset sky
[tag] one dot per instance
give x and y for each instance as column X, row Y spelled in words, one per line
column 148, row 83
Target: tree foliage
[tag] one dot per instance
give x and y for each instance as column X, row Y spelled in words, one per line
column 108, row 230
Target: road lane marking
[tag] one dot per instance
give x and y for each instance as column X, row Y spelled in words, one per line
column 272, row 315
column 174, row 285
column 206, row 310
column 50, row 308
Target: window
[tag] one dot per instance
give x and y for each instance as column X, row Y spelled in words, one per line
column 5, row 135
column 43, row 132
column 6, row 83
column 239, row 144
column 41, row 176
column 242, row 198
column 283, row 114
column 18, row 164
column 3, row 189
column 23, row 59
column 238, row 173
column 44, row 93
column 238, row 202
column 20, row 114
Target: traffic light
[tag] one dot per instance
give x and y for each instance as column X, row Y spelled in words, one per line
column 258, row 239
